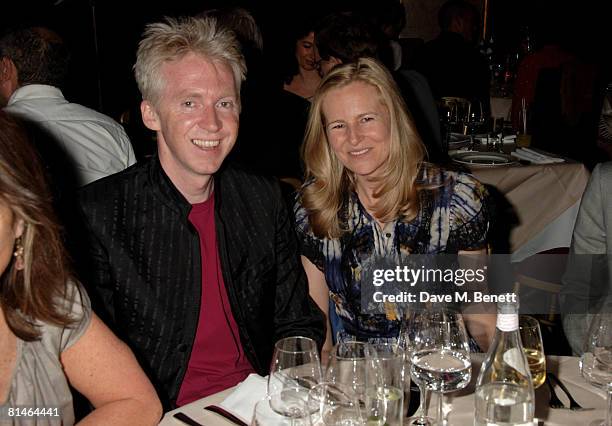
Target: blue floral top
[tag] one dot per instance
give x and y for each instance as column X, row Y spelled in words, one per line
column 452, row 217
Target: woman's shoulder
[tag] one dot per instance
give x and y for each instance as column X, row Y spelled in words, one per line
column 75, row 304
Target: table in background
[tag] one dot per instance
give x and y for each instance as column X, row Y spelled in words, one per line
column 546, row 198
column 462, row 403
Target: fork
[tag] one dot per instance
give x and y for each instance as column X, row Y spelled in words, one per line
column 554, row 401
column 574, row 406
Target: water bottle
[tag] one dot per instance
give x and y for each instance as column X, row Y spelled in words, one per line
column 504, row 390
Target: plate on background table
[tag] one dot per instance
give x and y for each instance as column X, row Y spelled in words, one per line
column 484, row 159
column 458, row 141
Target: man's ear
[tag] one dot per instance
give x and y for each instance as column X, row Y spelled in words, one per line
column 149, row 116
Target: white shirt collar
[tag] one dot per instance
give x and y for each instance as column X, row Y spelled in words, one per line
column 33, row 91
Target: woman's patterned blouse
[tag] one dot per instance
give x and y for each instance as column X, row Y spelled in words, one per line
column 452, row 217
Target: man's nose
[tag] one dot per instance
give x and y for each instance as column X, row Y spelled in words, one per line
column 209, row 120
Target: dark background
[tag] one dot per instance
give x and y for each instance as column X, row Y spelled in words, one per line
column 104, row 81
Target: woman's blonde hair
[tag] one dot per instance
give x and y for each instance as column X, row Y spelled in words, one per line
column 329, row 181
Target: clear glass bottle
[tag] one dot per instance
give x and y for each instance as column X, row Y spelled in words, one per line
column 504, row 390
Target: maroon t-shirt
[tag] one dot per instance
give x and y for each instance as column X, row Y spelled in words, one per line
column 217, row 360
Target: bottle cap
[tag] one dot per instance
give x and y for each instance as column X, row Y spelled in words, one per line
column 507, row 322
column 507, row 315
column 508, row 306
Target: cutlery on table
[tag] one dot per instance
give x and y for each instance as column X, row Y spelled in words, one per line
column 225, row 414
column 554, row 401
column 574, row 406
column 186, row 419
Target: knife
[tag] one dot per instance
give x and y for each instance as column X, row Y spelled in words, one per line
column 225, row 414
column 186, row 419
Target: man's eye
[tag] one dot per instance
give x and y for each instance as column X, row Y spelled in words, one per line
column 366, row 119
column 226, row 104
column 188, row 104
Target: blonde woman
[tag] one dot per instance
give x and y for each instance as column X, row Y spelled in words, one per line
column 369, row 194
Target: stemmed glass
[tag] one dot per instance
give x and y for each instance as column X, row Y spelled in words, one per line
column 441, row 355
column 295, row 413
column 295, row 368
column 476, row 118
column 409, row 336
column 596, row 361
column 333, row 404
column 347, row 366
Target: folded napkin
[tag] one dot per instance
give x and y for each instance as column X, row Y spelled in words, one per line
column 241, row 402
column 535, row 156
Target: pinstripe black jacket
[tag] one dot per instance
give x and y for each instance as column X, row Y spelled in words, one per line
column 144, row 271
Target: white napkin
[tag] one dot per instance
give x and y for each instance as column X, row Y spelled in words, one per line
column 242, row 401
column 535, row 156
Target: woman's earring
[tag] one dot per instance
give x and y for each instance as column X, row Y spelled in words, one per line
column 18, row 253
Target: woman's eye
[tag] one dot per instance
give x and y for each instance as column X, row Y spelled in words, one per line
column 336, row 126
column 307, row 45
column 366, row 119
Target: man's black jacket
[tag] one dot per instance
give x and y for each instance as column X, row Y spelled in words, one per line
column 144, row 268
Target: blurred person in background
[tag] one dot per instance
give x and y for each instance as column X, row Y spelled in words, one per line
column 452, row 63
column 49, row 336
column 33, row 67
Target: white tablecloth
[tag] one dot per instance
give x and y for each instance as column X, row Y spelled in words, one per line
column 462, row 404
column 546, row 199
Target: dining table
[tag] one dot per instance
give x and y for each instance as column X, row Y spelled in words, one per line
column 458, row 407
column 545, row 197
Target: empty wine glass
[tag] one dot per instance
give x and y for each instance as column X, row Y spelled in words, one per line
column 441, row 355
column 596, row 361
column 286, row 408
column 384, row 384
column 332, row 404
column 476, row 118
column 295, row 365
column 347, row 364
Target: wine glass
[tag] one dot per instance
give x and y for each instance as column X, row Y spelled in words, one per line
column 441, row 355
column 332, row 404
column 347, row 365
column 295, row 365
column 384, row 384
column 476, row 118
column 294, row 411
column 596, row 361
column 409, row 337
column 531, row 337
